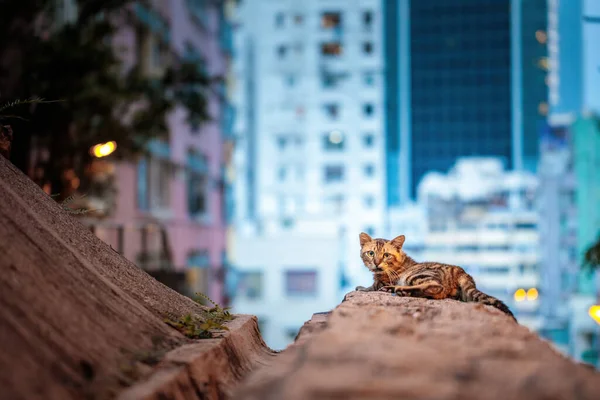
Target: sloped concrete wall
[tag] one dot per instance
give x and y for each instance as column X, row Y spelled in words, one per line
column 78, row 321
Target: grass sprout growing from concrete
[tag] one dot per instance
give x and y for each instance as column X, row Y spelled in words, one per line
column 204, row 324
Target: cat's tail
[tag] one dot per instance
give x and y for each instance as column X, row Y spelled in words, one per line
column 469, row 292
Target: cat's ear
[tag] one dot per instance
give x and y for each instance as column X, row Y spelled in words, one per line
column 364, row 238
column 398, row 241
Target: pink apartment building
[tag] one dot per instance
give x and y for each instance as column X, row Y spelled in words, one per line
column 169, row 213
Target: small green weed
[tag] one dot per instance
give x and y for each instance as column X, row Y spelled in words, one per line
column 202, row 326
column 65, row 204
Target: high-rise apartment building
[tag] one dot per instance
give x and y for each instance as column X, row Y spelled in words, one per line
column 168, row 211
column 465, row 78
column 483, row 218
column 310, row 148
column 569, row 196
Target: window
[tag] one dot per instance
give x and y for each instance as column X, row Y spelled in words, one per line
column 282, row 173
column 152, row 53
column 368, row 109
column 301, row 282
column 142, row 184
column 153, row 183
column 198, row 271
column 279, row 20
column 298, row 48
column 331, row 110
column 368, row 140
column 250, row 285
column 525, row 225
column 369, row 230
column 367, row 48
column 282, row 142
column 332, row 79
column 331, row 20
column 197, row 181
column 369, row 170
column 333, row 140
column 287, row 223
column 367, row 19
column 292, row 333
column 281, row 50
column 298, row 19
column 336, row 203
column 331, row 49
column 369, row 78
column 290, row 80
column 198, row 259
column 369, row 201
column 466, row 248
column 495, row 270
column 334, row 173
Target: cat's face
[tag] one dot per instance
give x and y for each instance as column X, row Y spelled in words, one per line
column 378, row 255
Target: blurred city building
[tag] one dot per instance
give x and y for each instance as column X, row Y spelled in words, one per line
column 558, row 233
column 284, row 277
column 584, row 331
column 483, row 218
column 168, row 212
column 569, row 181
column 309, row 135
column 464, row 78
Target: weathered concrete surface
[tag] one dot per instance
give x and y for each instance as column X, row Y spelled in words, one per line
column 206, row 369
column 79, row 321
column 379, row 346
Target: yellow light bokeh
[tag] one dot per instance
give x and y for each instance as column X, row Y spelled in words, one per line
column 532, row 294
column 541, row 36
column 594, row 312
column 103, row 149
column 520, row 295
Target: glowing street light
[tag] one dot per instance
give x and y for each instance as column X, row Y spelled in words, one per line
column 594, row 312
column 520, row 295
column 103, row 149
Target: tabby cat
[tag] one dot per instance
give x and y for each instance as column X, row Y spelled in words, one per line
column 396, row 272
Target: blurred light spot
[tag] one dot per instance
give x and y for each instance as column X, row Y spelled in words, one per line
column 595, row 313
column 541, row 36
column 75, row 183
column 543, row 63
column 543, row 108
column 103, row 149
column 532, row 294
column 336, row 137
column 520, row 295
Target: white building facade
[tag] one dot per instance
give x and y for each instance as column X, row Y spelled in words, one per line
column 482, row 218
column 310, row 149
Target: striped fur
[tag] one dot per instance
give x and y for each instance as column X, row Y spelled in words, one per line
column 396, row 272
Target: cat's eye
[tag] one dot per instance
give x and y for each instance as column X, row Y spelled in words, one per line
column 371, row 253
column 386, row 255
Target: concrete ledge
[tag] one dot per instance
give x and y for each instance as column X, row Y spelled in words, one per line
column 79, row 321
column 379, row 346
column 206, row 369
column 73, row 313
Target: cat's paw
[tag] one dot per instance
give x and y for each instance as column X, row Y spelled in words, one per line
column 361, row 289
column 396, row 290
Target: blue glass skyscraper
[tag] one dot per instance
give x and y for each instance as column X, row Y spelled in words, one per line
column 464, row 77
